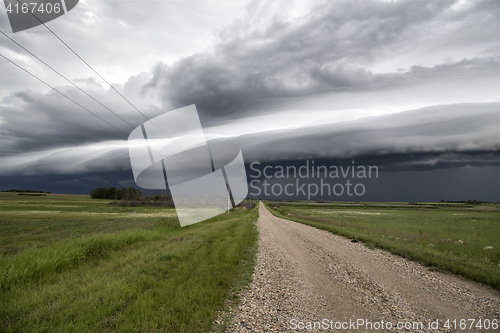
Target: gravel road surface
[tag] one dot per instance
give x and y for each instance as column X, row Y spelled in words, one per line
column 310, row 280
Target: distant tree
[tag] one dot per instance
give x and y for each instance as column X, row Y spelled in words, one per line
column 473, row 202
column 103, row 193
column 128, row 193
column 111, row 193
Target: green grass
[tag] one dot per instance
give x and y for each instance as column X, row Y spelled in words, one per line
column 27, row 222
column 120, row 272
column 447, row 238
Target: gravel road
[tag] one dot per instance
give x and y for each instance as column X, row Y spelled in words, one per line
column 306, row 277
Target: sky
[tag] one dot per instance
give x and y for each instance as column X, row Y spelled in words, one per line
column 411, row 87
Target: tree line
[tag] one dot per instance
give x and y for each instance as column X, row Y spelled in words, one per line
column 112, row 193
column 129, row 196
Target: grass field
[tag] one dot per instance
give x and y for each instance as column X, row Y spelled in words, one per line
column 454, row 238
column 74, row 264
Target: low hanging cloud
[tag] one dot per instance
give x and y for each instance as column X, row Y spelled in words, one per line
column 434, row 137
column 84, row 159
column 38, row 121
column 331, row 48
column 371, row 54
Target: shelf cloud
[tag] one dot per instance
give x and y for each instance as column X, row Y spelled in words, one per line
column 411, row 86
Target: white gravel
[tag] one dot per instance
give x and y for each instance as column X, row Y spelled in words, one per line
column 310, row 275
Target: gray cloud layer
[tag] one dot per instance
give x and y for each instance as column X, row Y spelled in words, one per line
column 440, row 136
column 33, row 121
column 433, row 137
column 334, row 48
column 272, row 60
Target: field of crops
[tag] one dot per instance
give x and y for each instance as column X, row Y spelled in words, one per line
column 457, row 238
column 73, row 264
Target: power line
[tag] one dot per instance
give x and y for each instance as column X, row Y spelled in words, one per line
column 64, row 77
column 72, row 100
column 61, row 75
column 79, row 57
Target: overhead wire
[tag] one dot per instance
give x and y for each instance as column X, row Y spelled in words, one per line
column 65, row 78
column 100, row 76
column 72, row 100
column 61, row 93
column 79, row 88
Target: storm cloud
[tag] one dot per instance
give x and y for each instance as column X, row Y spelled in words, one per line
column 342, row 46
column 409, row 86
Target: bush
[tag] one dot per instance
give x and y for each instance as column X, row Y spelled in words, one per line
column 127, row 193
column 473, row 202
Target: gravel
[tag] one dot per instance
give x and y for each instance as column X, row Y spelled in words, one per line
column 310, row 276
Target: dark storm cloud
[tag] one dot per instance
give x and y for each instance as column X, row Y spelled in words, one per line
column 433, row 137
column 436, row 137
column 353, row 47
column 455, row 184
column 81, row 183
column 33, row 121
column 332, row 49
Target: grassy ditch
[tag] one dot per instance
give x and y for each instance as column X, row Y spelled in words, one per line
column 115, row 268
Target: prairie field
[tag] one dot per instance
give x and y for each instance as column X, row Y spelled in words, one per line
column 457, row 238
column 70, row 263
